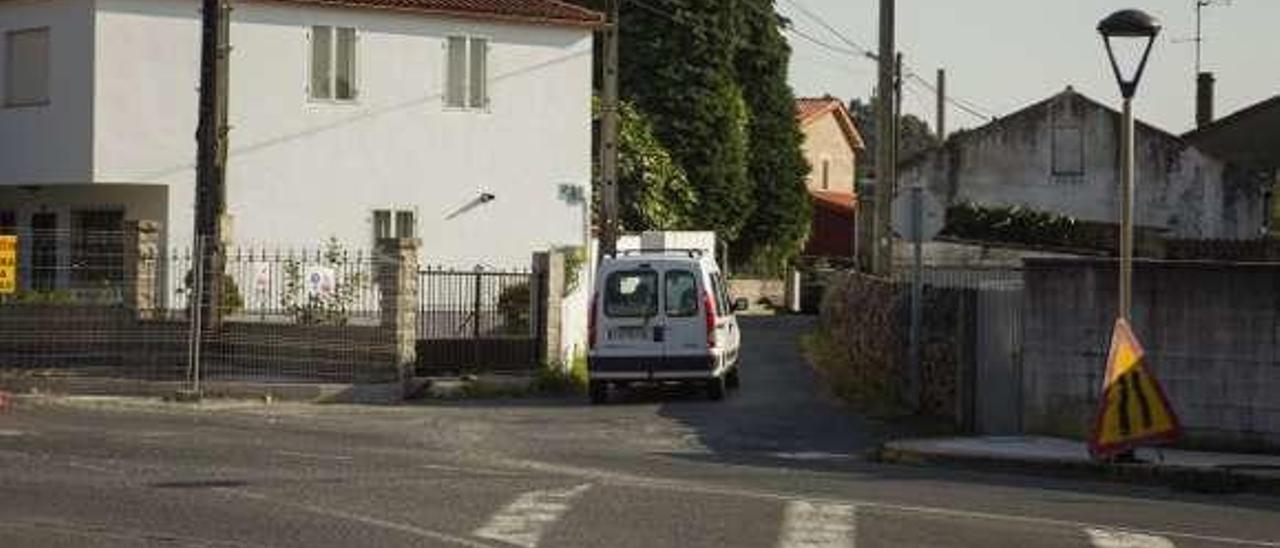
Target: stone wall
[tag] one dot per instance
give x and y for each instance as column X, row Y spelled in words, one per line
column 870, row 317
column 1211, row 332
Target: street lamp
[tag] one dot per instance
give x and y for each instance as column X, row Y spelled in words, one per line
column 1128, row 26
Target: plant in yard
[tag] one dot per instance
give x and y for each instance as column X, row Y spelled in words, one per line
column 515, row 304
column 310, row 305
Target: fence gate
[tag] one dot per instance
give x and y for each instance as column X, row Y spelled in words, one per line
column 478, row 321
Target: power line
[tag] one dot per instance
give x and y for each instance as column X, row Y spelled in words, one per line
column 969, row 107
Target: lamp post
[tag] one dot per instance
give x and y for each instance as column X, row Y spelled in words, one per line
column 1130, row 26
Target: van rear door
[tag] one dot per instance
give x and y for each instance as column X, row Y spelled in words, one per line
column 684, row 308
column 630, row 335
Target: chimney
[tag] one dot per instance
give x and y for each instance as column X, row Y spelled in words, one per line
column 1204, row 99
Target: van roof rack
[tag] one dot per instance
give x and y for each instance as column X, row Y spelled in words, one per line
column 691, row 252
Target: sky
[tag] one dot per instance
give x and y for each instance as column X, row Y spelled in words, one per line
column 1002, row 55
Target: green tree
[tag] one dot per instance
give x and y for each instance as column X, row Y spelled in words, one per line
column 653, row 191
column 780, row 221
column 677, row 66
column 916, row 134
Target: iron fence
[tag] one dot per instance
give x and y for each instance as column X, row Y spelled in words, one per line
column 479, row 320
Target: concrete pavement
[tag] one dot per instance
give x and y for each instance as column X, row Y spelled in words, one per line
column 775, row 465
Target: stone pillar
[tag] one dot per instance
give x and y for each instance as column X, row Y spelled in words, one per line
column 549, row 299
column 141, row 255
column 397, row 276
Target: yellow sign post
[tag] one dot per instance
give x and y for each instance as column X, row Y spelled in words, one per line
column 1133, row 410
column 8, row 264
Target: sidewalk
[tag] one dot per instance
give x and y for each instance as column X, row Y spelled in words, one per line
column 1197, row 470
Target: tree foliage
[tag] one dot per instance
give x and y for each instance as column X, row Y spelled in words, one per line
column 916, row 134
column 682, row 76
column 653, row 191
column 780, row 221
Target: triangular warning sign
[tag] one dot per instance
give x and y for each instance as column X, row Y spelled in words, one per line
column 1133, row 410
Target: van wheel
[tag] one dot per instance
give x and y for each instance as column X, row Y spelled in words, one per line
column 598, row 391
column 733, row 380
column 716, row 389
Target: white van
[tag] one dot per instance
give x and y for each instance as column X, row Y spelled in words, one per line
column 662, row 316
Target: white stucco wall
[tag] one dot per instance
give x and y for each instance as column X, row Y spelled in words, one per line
column 1178, row 188
column 50, row 144
column 302, row 171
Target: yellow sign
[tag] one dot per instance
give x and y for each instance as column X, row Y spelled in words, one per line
column 8, row 264
column 1133, row 410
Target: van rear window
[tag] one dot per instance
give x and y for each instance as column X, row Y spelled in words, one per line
column 631, row 294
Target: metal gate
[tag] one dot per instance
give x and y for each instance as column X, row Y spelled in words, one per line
column 478, row 321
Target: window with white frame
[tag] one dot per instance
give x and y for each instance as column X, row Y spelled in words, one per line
column 26, row 67
column 333, row 63
column 394, row 223
column 466, row 72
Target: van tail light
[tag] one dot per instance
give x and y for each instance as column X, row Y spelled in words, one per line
column 709, row 314
column 591, row 321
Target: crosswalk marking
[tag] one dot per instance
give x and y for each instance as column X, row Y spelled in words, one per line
column 1109, row 538
column 524, row 521
column 818, row 525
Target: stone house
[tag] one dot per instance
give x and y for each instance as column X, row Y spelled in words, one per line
column 1249, row 139
column 1061, row 155
column 831, row 146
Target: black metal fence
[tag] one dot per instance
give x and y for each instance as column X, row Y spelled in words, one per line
column 479, row 320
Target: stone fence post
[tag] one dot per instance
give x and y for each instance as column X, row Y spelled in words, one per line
column 397, row 276
column 141, row 268
column 549, row 299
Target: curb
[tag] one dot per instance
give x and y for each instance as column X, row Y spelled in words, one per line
column 1189, row 478
column 384, row 393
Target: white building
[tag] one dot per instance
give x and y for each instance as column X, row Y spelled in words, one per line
column 349, row 118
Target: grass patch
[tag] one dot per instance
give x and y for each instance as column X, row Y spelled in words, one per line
column 557, row 381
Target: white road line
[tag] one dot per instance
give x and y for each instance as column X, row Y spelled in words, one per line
column 524, row 521
column 685, row 486
column 818, row 525
column 1111, row 538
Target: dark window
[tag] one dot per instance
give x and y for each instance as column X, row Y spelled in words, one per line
column 631, row 294
column 1068, row 151
column 681, row 293
column 826, row 174
column 8, row 222
column 722, row 296
column 381, row 224
column 97, row 246
column 404, row 224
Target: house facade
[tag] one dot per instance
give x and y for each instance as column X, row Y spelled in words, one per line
column 831, row 146
column 1061, row 156
column 457, row 123
column 1250, row 139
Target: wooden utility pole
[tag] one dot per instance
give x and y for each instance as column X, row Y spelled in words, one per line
column 211, row 157
column 897, row 120
column 941, row 130
column 882, row 251
column 609, row 133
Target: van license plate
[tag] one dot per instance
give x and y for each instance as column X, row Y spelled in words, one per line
column 628, row 334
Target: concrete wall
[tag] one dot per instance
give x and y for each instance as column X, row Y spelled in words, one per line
column 1010, row 163
column 823, row 139
column 1211, row 332
column 51, row 144
column 301, row 171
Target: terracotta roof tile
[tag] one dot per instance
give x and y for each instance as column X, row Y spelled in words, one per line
column 535, row 11
column 809, row 109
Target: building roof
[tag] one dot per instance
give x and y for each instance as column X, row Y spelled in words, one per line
column 834, row 200
column 553, row 12
column 1249, row 136
column 810, row 109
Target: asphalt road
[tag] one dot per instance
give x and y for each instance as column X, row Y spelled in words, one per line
column 775, row 465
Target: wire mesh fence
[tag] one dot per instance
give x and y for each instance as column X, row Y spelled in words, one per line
column 114, row 304
column 109, row 304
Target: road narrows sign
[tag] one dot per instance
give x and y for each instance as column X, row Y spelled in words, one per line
column 8, row 264
column 1133, row 410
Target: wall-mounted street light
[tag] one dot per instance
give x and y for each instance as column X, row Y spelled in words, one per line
column 1131, row 27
